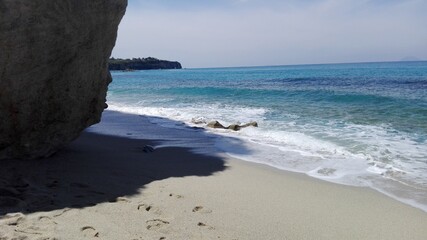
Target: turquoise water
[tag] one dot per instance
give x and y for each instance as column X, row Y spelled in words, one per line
column 359, row 124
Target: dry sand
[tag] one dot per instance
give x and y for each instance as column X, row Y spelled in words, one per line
column 105, row 187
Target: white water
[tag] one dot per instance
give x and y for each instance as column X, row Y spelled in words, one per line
column 355, row 155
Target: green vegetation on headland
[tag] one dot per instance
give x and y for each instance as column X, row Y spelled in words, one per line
column 141, row 64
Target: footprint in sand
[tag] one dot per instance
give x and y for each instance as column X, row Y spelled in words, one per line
column 46, row 220
column 201, row 209
column 12, row 219
column 175, row 195
column 155, row 224
column 89, row 231
column 197, row 208
column 44, row 225
column 149, row 208
column 145, row 207
column 200, row 224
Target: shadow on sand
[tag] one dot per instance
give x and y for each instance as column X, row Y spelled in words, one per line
column 94, row 169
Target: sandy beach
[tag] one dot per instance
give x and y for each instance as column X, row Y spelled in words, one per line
column 107, row 187
column 213, row 120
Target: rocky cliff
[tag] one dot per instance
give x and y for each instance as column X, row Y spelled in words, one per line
column 53, row 71
column 142, row 64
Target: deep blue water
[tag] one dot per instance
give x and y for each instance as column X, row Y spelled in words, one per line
column 362, row 124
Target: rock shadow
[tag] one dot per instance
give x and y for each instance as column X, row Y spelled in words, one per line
column 94, row 169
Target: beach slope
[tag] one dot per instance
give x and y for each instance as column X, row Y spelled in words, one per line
column 108, row 187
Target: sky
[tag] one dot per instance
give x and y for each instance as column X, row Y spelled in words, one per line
column 231, row 33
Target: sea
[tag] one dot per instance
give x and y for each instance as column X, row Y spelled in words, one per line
column 359, row 124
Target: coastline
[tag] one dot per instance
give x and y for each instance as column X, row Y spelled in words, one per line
column 108, row 187
column 346, row 124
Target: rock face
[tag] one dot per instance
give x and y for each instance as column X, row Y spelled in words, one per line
column 53, row 71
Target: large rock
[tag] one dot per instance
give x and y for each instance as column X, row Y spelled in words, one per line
column 53, row 71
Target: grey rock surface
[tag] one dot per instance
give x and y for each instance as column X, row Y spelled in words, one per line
column 234, row 127
column 215, row 124
column 53, row 71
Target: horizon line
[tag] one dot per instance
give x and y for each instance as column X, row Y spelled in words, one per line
column 304, row 64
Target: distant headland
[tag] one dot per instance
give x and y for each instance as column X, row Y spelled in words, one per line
column 141, row 64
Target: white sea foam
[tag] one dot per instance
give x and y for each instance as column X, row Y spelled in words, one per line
column 228, row 114
column 374, row 156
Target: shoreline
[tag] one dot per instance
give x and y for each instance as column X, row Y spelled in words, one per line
column 108, row 187
column 176, row 133
column 409, row 202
